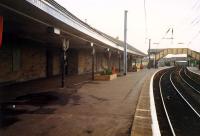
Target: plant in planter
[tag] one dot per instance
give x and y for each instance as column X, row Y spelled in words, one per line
column 106, row 72
column 105, row 75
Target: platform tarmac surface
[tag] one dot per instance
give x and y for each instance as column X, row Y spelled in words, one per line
column 98, row 108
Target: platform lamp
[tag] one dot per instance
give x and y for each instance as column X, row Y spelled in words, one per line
column 65, row 47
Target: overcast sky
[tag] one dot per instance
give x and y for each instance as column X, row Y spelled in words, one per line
column 108, row 16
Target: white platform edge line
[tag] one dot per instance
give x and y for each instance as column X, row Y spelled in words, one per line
column 154, row 125
column 193, row 71
column 187, row 82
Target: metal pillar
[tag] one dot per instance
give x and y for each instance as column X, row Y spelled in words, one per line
column 135, row 62
column 65, row 45
column 149, row 54
column 125, row 44
column 187, row 59
column 93, row 57
column 154, row 60
column 109, row 56
column 199, row 64
column 119, row 61
column 63, row 70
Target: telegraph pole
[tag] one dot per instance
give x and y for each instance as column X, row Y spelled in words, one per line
column 125, row 42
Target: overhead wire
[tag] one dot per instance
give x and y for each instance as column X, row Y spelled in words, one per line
column 193, row 38
column 145, row 18
column 164, row 36
column 195, row 4
column 191, row 22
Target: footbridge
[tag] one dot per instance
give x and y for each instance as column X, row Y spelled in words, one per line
column 161, row 53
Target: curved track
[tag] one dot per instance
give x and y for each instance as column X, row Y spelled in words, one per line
column 180, row 100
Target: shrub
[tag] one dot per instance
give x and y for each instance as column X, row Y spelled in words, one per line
column 106, row 72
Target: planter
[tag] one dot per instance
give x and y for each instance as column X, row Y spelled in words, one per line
column 99, row 77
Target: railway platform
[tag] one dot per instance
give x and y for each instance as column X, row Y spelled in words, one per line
column 95, row 108
column 194, row 69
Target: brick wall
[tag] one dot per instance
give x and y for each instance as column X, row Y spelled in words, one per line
column 130, row 63
column 72, row 62
column 101, row 61
column 32, row 62
column 56, row 63
column 30, row 65
column 84, row 61
column 115, row 60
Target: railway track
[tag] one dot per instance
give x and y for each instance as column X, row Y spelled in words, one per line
column 177, row 100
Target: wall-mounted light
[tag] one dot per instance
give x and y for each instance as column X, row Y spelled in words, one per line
column 53, row 30
column 91, row 44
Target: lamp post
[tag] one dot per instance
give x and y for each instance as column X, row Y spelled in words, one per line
column 125, row 42
column 65, row 45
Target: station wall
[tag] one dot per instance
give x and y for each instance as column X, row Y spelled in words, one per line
column 29, row 62
column 22, row 63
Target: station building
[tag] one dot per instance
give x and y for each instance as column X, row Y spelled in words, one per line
column 41, row 39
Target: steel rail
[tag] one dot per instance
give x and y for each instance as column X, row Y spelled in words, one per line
column 190, row 77
column 160, row 88
column 183, row 96
column 188, row 83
